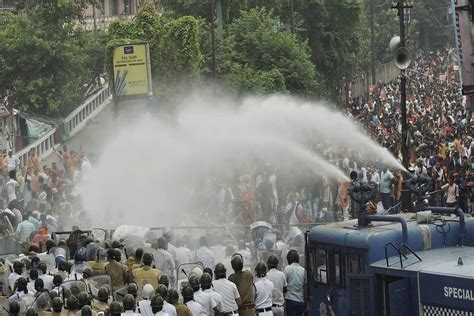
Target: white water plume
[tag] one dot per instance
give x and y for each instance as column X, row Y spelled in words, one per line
column 155, row 171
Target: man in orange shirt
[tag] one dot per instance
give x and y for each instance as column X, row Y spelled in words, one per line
column 33, row 161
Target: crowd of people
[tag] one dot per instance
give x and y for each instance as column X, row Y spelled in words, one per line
column 440, row 131
column 84, row 276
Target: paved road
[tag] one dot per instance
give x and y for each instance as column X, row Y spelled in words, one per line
column 93, row 136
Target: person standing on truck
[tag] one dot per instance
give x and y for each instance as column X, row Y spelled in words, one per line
column 452, row 192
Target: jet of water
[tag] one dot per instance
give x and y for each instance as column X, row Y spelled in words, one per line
column 155, row 171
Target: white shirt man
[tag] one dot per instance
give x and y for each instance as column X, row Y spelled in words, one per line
column 295, row 275
column 11, row 185
column 169, row 309
column 206, row 302
column 195, row 308
column 264, row 296
column 12, row 279
column 11, row 162
column 47, row 280
column 206, row 256
column 229, row 293
column 183, row 255
column 165, row 262
column 217, row 298
column 278, row 279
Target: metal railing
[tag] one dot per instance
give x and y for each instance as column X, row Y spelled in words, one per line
column 77, row 119
column 73, row 123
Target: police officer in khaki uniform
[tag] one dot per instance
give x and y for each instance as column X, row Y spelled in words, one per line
column 100, row 305
column 181, row 309
column 98, row 266
column 146, row 274
column 118, row 272
column 244, row 282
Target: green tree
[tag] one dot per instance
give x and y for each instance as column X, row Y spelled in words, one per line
column 46, row 57
column 256, row 55
column 335, row 36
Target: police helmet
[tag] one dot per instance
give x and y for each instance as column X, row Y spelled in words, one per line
column 261, row 269
column 57, row 305
column 27, row 263
column 165, row 280
column 162, row 290
column 31, row 312
column 272, row 261
column 157, row 304
column 115, row 308
column 21, row 283
column 194, row 283
column 132, row 289
column 42, row 267
column 220, row 271
column 237, row 262
column 72, row 303
column 147, row 259
column 66, row 293
column 128, row 302
column 83, row 299
column 87, row 273
column 206, row 281
column 111, row 254
column 53, row 294
column 103, row 294
column 173, row 296
column 14, row 308
column 86, row 310
column 57, row 280
column 18, row 266
column 187, row 293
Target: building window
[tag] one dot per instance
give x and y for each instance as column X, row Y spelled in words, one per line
column 115, row 7
column 127, row 7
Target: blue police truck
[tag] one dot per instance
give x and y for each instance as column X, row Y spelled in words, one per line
column 408, row 264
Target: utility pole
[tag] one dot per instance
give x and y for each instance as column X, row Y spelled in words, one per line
column 406, row 195
column 372, row 42
column 292, row 18
column 213, row 39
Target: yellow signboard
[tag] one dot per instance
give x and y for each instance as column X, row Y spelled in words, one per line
column 132, row 69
